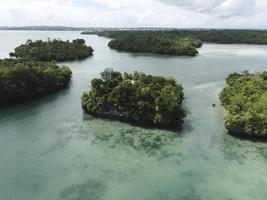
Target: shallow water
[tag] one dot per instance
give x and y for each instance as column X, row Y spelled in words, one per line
column 50, row 150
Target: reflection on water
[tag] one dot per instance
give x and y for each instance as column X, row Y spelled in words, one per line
column 50, row 150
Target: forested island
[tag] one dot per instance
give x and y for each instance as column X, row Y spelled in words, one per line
column 220, row 36
column 137, row 97
column 245, row 100
column 53, row 50
column 156, row 43
column 22, row 80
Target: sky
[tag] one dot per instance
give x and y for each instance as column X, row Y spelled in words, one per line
column 136, row 13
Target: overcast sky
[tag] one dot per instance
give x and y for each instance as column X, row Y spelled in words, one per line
column 136, row 13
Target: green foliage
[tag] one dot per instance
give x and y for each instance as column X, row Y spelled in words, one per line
column 245, row 99
column 214, row 36
column 227, row 36
column 53, row 50
column 146, row 99
column 21, row 79
column 155, row 43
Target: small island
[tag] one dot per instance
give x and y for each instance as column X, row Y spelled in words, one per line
column 22, row 80
column 156, row 43
column 137, row 97
column 245, row 101
column 53, row 50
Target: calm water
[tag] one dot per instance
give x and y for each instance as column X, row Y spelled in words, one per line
column 50, row 150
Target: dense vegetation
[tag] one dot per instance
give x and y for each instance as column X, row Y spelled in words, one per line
column 245, row 100
column 214, row 36
column 227, row 36
column 155, row 43
column 21, row 80
column 53, row 50
column 137, row 97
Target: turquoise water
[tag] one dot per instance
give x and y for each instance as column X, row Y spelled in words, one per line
column 50, row 150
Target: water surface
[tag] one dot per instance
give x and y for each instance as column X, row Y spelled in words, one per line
column 50, row 150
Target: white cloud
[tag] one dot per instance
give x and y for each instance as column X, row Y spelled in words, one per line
column 196, row 5
column 135, row 13
column 220, row 8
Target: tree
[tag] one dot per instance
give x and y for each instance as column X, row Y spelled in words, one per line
column 168, row 105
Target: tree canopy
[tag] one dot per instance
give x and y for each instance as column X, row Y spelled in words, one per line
column 53, row 50
column 137, row 97
column 226, row 36
column 245, row 100
column 221, row 36
column 22, row 80
column 155, row 43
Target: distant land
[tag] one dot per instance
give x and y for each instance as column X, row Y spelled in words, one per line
column 99, row 29
column 67, row 28
column 42, row 28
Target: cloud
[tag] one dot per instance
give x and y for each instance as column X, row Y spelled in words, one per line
column 231, row 8
column 87, row 13
column 220, row 8
column 195, row 5
column 136, row 13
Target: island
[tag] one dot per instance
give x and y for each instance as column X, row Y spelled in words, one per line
column 137, row 97
column 53, row 50
column 156, row 44
column 22, row 80
column 245, row 101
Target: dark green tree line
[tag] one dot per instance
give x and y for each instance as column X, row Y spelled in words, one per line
column 222, row 36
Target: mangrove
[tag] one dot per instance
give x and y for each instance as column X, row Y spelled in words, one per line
column 53, row 50
column 157, row 44
column 245, row 101
column 137, row 97
column 22, row 80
